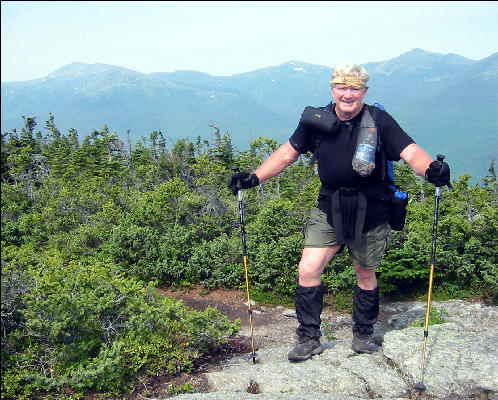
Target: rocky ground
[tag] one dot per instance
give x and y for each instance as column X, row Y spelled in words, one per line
column 461, row 355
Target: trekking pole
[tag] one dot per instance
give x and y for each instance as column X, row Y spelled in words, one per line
column 420, row 385
column 244, row 254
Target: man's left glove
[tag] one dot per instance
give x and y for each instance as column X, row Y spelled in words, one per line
column 438, row 173
column 242, row 180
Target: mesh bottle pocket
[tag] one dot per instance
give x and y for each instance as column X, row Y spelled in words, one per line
column 397, row 212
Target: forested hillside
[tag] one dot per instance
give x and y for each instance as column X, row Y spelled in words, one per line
column 92, row 226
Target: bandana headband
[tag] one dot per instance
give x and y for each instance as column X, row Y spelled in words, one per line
column 353, row 81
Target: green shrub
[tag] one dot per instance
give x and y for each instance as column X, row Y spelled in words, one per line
column 133, row 249
column 217, row 263
column 273, row 264
column 81, row 326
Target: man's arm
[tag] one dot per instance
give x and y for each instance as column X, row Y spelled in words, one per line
column 416, row 158
column 281, row 158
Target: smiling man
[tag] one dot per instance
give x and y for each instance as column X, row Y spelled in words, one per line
column 353, row 208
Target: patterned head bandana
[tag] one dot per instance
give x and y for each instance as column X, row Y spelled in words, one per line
column 352, row 81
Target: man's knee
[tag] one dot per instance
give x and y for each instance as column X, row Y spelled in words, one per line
column 309, row 272
column 312, row 264
column 366, row 277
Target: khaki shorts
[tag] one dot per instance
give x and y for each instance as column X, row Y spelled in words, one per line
column 319, row 233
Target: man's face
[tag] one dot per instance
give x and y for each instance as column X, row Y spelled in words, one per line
column 348, row 100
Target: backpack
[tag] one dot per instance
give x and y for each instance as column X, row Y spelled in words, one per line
column 399, row 201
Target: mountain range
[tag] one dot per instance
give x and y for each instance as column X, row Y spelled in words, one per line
column 446, row 102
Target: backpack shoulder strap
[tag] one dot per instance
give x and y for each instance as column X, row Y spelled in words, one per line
column 387, row 166
column 312, row 160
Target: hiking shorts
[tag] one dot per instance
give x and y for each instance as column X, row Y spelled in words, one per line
column 319, row 233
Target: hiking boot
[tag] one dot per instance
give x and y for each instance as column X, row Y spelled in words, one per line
column 363, row 344
column 304, row 350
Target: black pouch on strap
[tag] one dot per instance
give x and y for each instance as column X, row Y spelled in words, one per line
column 317, row 118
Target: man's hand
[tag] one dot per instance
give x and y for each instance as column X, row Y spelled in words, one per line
column 438, row 173
column 242, row 180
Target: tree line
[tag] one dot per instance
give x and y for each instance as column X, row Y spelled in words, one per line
column 91, row 228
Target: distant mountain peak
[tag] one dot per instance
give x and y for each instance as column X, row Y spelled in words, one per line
column 416, row 51
column 419, row 61
column 80, row 68
column 423, row 55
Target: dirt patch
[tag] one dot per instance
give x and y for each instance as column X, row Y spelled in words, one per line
column 232, row 303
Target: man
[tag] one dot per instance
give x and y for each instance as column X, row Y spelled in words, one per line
column 352, row 209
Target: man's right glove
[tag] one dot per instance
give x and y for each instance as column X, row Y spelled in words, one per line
column 242, row 180
column 438, row 173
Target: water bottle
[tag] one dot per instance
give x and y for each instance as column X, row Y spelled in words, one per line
column 364, row 156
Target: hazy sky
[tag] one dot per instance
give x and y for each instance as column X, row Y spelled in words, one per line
column 229, row 37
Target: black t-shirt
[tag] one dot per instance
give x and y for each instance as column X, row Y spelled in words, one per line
column 335, row 154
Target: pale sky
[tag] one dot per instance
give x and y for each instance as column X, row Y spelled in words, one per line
column 229, row 37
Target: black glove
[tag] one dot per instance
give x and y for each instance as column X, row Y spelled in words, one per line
column 438, row 173
column 242, row 180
